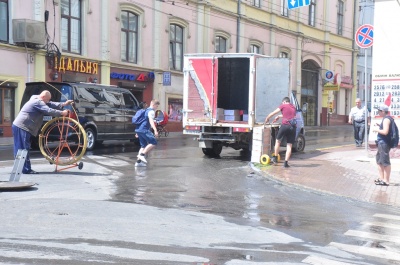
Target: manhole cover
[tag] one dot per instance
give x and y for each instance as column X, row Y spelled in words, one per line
column 8, row 185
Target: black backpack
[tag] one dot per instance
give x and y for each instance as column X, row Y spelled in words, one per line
column 394, row 134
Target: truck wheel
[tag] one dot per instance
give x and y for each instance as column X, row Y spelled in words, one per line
column 207, row 151
column 91, row 139
column 214, row 151
column 299, row 144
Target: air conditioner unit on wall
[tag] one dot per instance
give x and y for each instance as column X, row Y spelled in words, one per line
column 29, row 31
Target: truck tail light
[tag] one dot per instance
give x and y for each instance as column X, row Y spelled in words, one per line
column 192, row 128
column 236, row 129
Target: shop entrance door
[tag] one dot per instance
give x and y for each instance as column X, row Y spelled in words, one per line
column 309, row 91
column 7, row 107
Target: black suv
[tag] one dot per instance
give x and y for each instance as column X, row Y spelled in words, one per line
column 105, row 112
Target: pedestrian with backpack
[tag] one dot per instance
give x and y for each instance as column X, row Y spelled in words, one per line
column 384, row 145
column 146, row 137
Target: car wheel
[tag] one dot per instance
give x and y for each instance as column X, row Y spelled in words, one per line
column 300, row 143
column 91, row 139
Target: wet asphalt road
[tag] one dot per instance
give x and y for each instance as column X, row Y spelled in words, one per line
column 185, row 194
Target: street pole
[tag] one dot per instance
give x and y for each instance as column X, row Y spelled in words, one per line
column 366, row 101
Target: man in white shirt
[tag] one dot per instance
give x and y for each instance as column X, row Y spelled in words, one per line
column 357, row 118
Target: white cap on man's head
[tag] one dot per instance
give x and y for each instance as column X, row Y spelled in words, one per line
column 383, row 107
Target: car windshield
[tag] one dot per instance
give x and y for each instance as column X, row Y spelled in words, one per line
column 66, row 93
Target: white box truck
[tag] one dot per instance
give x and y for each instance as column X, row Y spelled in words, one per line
column 226, row 96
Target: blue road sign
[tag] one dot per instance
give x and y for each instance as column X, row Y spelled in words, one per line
column 297, row 3
column 365, row 36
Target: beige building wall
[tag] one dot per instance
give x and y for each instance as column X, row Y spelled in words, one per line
column 268, row 26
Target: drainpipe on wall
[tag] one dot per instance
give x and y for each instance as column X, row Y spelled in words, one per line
column 353, row 48
column 238, row 26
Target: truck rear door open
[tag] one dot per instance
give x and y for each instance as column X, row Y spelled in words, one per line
column 273, row 84
column 201, row 89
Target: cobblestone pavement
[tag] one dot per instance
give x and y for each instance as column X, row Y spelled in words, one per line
column 345, row 171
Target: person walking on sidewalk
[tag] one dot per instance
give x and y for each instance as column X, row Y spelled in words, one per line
column 357, row 118
column 383, row 143
column 30, row 119
column 146, row 137
column 287, row 129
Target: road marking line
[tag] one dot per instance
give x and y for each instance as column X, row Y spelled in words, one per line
column 370, row 235
column 380, row 224
column 373, row 252
column 387, row 216
column 314, row 260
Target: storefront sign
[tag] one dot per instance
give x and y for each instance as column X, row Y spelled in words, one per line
column 331, row 87
column 347, row 82
column 76, row 65
column 142, row 77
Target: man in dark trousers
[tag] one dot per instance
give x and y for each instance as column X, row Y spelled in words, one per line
column 357, row 118
column 29, row 121
column 287, row 129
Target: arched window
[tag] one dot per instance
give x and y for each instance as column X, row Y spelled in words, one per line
column 176, row 47
column 254, row 49
column 129, row 37
column 220, row 44
column 71, row 22
column 283, row 55
column 256, row 46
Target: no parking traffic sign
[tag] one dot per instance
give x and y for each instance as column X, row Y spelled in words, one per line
column 365, row 36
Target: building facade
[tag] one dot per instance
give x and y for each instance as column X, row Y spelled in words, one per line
column 139, row 45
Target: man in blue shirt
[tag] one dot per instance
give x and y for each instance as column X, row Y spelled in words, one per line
column 146, row 137
column 30, row 119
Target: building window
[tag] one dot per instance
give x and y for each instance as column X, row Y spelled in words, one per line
column 284, row 8
column 256, row 3
column 176, row 47
column 175, row 106
column 71, row 26
column 283, row 55
column 220, row 44
column 4, row 20
column 311, row 17
column 129, row 37
column 254, row 49
column 6, row 106
column 340, row 16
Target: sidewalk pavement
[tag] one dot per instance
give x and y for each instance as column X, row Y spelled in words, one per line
column 345, row 171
